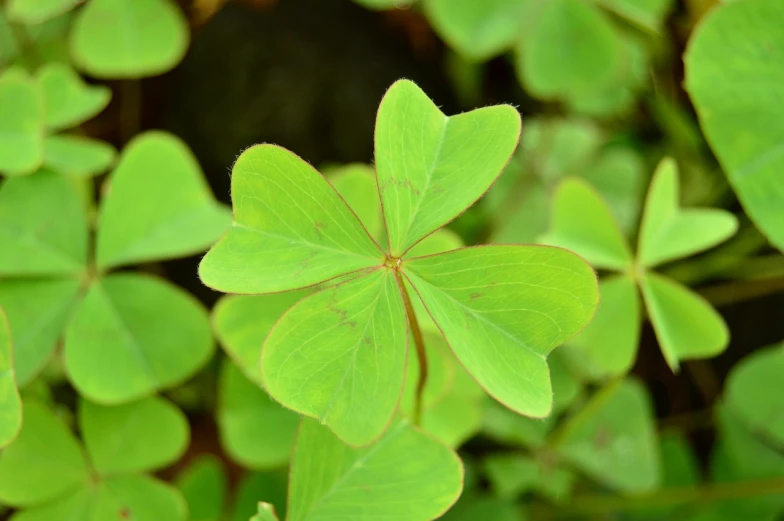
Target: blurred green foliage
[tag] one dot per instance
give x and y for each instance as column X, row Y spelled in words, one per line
column 115, row 405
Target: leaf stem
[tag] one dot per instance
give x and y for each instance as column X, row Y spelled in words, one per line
column 710, row 492
column 418, row 343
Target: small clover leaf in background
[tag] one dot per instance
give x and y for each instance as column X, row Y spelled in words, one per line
column 69, row 100
column 339, row 354
column 685, row 324
column 613, row 438
column 742, row 455
column 37, row 11
column 204, row 485
column 114, row 349
column 254, row 430
column 173, row 223
column 22, row 110
column 331, row 479
column 49, row 475
column 733, row 75
column 128, row 38
column 10, row 402
column 55, row 99
column 77, row 155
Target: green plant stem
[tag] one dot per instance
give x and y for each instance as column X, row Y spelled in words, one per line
column 739, row 291
column 592, row 505
column 420, row 347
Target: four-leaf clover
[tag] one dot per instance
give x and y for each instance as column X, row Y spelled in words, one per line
column 339, row 355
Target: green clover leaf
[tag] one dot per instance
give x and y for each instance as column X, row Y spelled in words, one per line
column 734, row 79
column 114, row 352
column 613, row 438
column 331, row 479
column 254, row 430
column 50, row 475
column 685, row 324
column 37, row 11
column 204, row 485
column 21, row 123
column 69, row 100
column 128, row 38
column 339, row 355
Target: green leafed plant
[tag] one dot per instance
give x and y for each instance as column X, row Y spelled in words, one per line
column 685, row 324
column 339, row 354
column 734, row 78
column 613, row 438
column 128, row 38
column 204, row 486
column 114, row 350
column 48, row 474
column 55, row 99
column 331, row 479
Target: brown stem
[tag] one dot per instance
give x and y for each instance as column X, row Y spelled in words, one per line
column 420, row 347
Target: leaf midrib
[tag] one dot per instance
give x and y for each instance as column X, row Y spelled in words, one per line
column 479, row 317
column 429, row 177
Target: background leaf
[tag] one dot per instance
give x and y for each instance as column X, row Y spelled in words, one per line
column 142, row 218
column 133, row 335
column 608, row 344
column 254, row 430
column 38, row 310
column 285, row 211
column 10, row 403
column 330, row 479
column 241, row 323
column 645, row 13
column 44, row 462
column 668, row 232
column 552, row 64
column 135, row 437
column 754, row 391
column 479, row 30
column 502, row 309
column 356, row 184
column 141, row 498
column 77, row 155
column 339, row 356
column 422, row 157
column 204, row 486
column 734, row 77
column 582, row 222
column 613, row 439
column 37, row 11
column 260, row 486
column 21, row 123
column 128, row 38
column 44, row 218
column 69, row 100
column 685, row 323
